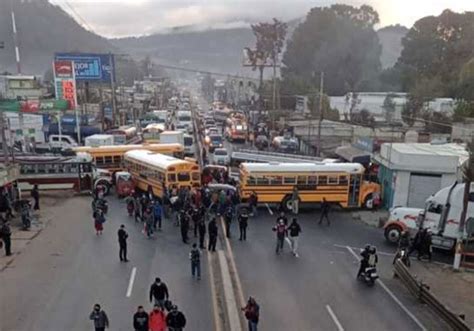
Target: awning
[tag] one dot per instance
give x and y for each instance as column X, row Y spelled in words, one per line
column 353, row 154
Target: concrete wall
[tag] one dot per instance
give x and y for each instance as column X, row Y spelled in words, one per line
column 463, row 131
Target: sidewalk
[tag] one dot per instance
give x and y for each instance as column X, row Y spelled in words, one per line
column 20, row 238
column 374, row 218
column 454, row 289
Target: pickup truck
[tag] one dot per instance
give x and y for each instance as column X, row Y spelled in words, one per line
column 57, row 143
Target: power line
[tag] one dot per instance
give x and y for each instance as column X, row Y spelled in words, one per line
column 80, row 18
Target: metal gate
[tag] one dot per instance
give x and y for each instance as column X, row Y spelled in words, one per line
column 421, row 187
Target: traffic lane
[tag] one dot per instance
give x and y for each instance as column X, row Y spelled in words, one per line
column 167, row 257
column 323, row 275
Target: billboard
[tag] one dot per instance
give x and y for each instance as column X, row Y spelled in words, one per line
column 65, row 82
column 90, row 67
column 63, row 69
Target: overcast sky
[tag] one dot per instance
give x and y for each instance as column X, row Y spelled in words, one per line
column 118, row 18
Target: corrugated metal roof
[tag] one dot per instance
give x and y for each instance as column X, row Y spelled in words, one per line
column 429, row 149
column 303, row 167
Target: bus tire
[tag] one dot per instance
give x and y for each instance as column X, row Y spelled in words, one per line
column 368, row 203
column 287, row 204
column 392, row 233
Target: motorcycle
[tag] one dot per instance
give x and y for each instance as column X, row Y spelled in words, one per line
column 369, row 275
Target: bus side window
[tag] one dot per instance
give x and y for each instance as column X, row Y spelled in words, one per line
column 262, row 181
column 301, row 180
column 41, row 168
column 312, row 180
column 276, row 180
column 195, row 176
column 332, row 180
column 290, row 180
column 74, row 167
column 108, row 159
column 117, row 159
column 323, row 180
column 99, row 160
column 251, row 181
column 343, row 180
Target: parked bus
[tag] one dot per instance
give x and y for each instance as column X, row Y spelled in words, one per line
column 152, row 171
column 111, row 157
column 339, row 183
column 75, row 173
column 124, row 135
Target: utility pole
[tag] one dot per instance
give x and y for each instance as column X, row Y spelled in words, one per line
column 321, row 89
column 4, row 139
column 112, row 86
column 15, row 39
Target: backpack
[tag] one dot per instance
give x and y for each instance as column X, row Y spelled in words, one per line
column 195, row 256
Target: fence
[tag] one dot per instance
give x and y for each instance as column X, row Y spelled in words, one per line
column 422, row 292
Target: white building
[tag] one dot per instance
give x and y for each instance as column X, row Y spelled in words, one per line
column 410, row 172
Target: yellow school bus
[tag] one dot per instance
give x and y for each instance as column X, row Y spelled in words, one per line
column 152, row 171
column 338, row 183
column 111, row 157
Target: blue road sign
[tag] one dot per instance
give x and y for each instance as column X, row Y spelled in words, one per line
column 90, row 67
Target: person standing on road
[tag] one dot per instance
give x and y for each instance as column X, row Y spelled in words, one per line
column 252, row 313
column 228, row 216
column 5, row 235
column 140, row 320
column 281, row 231
column 295, row 200
column 122, row 239
column 195, row 216
column 195, row 257
column 426, row 248
column 157, row 214
column 99, row 220
column 184, row 224
column 202, row 232
column 282, row 217
column 35, row 196
column 213, row 232
column 324, row 212
column 253, row 203
column 243, row 223
column 138, row 207
column 175, row 319
column 294, row 232
column 416, row 245
column 159, row 292
column 101, row 321
column 157, row 319
column 149, row 222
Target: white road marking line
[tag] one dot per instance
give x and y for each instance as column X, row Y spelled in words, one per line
column 269, row 209
column 334, row 318
column 130, row 283
column 390, row 293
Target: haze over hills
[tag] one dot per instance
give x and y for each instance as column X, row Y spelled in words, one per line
column 44, row 29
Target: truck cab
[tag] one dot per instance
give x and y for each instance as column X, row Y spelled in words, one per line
column 60, row 142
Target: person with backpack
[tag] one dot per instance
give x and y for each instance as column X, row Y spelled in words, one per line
column 253, row 203
column 295, row 200
column 122, row 239
column 175, row 319
column 195, row 257
column 99, row 220
column 140, row 320
column 252, row 313
column 159, row 292
column 35, row 196
column 294, row 232
column 281, row 231
column 101, row 321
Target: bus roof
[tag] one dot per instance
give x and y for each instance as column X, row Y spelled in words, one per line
column 126, row 148
column 154, row 159
column 303, row 167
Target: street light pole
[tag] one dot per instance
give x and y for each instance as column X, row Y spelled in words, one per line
column 321, row 89
column 112, row 86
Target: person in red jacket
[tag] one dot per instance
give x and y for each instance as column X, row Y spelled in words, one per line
column 157, row 319
column 252, row 313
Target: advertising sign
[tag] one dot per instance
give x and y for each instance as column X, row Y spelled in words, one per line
column 90, row 67
column 63, row 69
column 69, row 92
column 65, row 82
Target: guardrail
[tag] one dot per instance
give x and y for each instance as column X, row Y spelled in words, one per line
column 422, row 292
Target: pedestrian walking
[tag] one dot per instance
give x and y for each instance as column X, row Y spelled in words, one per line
column 228, row 217
column 149, row 222
column 253, row 203
column 280, row 230
column 252, row 313
column 213, row 231
column 175, row 320
column 202, row 232
column 282, row 217
column 417, row 241
column 99, row 220
column 295, row 200
column 157, row 214
column 140, row 320
column 157, row 319
column 243, row 223
column 101, row 321
column 122, row 239
column 5, row 235
column 35, row 196
column 159, row 292
column 195, row 217
column 324, row 212
column 138, row 207
column 294, row 231
column 184, row 226
column 195, row 257
column 426, row 245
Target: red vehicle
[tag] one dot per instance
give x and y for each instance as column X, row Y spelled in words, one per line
column 123, row 183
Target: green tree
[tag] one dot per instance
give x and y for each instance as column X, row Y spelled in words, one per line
column 437, row 47
column 463, row 109
column 339, row 41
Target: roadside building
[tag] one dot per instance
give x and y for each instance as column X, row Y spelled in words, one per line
column 20, row 87
column 410, row 172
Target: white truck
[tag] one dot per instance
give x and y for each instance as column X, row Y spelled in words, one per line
column 97, row 140
column 57, row 143
column 184, row 120
column 172, row 137
column 442, row 215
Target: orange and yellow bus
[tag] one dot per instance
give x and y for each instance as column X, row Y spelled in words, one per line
column 111, row 157
column 152, row 171
column 338, row 183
